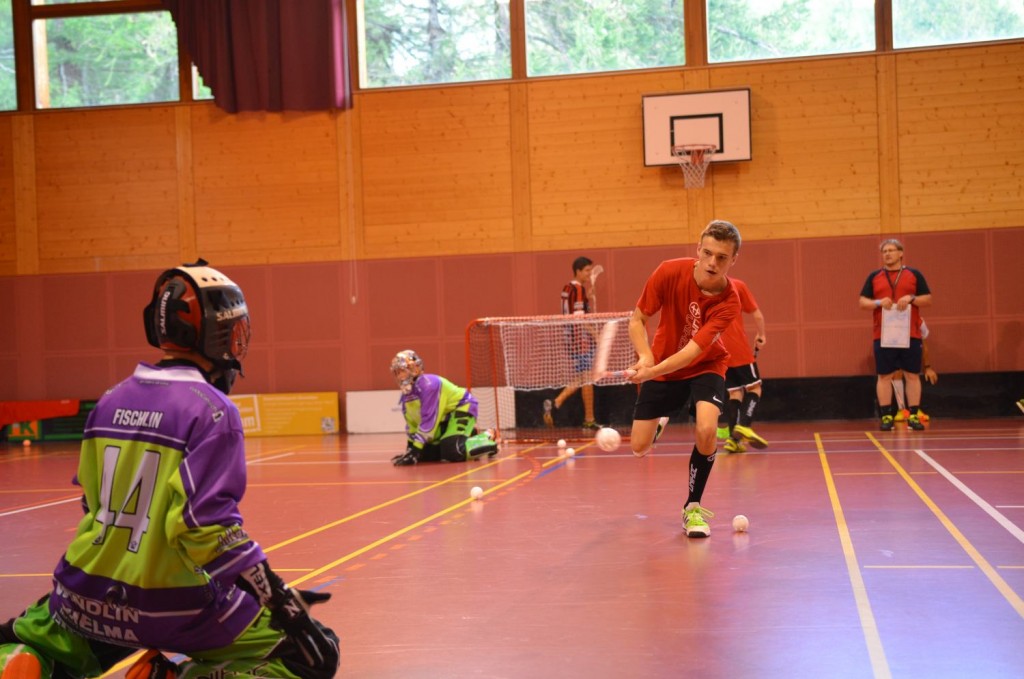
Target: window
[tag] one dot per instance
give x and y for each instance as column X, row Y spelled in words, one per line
column 416, row 42
column 105, row 59
column 771, row 29
column 8, row 82
column 918, row 23
column 200, row 90
column 584, row 36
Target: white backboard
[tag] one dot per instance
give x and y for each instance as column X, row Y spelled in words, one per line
column 717, row 117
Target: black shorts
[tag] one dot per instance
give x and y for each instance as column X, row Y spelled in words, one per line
column 889, row 360
column 663, row 398
column 742, row 376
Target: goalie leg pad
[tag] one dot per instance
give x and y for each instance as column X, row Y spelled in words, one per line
column 479, row 445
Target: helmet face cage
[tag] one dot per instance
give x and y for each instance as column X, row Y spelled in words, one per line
column 197, row 308
column 406, row 366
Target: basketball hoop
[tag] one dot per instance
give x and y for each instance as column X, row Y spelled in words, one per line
column 693, row 160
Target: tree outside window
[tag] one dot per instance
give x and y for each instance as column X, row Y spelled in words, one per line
column 740, row 30
column 920, row 23
column 586, row 36
column 8, row 83
column 418, row 42
column 105, row 60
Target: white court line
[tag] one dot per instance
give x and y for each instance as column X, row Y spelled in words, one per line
column 34, row 507
column 272, row 457
column 78, row 499
column 1010, row 526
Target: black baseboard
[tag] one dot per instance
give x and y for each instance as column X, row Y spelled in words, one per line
column 956, row 395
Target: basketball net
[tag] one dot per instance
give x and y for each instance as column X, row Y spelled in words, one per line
column 693, row 160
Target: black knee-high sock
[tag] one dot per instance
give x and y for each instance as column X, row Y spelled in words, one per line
column 700, row 470
column 732, row 408
column 750, row 402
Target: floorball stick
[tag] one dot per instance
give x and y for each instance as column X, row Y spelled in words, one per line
column 604, row 349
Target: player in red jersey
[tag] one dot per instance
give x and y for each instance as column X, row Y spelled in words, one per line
column 742, row 379
column 686, row 363
column 578, row 299
column 898, row 287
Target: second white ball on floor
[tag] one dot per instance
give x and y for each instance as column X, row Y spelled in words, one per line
column 561, row 443
column 740, row 523
column 608, row 439
column 476, row 492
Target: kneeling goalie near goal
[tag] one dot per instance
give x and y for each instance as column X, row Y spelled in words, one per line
column 440, row 417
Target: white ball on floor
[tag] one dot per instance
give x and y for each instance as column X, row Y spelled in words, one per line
column 476, row 492
column 608, row 439
column 26, row 443
column 740, row 523
column 570, row 451
column 561, row 443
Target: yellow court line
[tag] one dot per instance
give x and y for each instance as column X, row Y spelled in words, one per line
column 1011, row 597
column 127, row 662
column 876, row 652
column 402, row 531
column 393, row 501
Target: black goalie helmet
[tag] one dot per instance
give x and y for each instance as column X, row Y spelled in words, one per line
column 197, row 308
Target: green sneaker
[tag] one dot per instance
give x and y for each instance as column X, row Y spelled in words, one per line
column 734, row 446
column 695, row 521
column 722, row 433
column 887, row 424
column 750, row 436
column 915, row 423
column 1020, row 404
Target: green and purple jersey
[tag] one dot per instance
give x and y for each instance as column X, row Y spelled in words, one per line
column 155, row 559
column 430, row 401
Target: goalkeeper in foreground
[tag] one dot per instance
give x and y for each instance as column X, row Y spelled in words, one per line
column 440, row 417
column 161, row 560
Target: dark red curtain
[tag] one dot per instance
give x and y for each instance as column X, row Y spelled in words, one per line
column 268, row 55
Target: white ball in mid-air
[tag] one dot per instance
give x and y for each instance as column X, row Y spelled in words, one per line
column 607, row 439
column 740, row 523
column 561, row 443
column 476, row 492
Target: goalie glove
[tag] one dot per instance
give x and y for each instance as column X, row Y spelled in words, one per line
column 410, row 457
column 289, row 612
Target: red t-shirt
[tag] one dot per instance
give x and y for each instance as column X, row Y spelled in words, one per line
column 735, row 336
column 895, row 284
column 574, row 299
column 688, row 314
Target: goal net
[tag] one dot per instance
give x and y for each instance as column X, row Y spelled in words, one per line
column 516, row 363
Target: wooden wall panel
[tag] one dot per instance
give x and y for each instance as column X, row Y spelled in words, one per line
column 266, row 187
column 815, row 150
column 436, row 171
column 8, row 252
column 588, row 184
column 106, row 189
column 961, row 127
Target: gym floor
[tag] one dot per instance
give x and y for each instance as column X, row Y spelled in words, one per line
column 869, row 554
